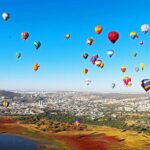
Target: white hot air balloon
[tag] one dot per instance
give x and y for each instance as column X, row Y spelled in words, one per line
column 145, row 28
column 113, row 85
column 88, row 81
column 110, row 53
column 5, row 16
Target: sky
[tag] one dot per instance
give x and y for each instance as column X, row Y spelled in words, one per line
column 60, row 60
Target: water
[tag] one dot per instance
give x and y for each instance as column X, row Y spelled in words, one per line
column 8, row 142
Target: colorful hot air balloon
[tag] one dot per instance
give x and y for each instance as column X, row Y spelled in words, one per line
column 133, row 35
column 24, row 35
column 98, row 63
column 127, row 81
column 5, row 16
column 137, row 69
column 113, row 85
column 134, row 54
column 77, row 122
column 67, row 36
column 36, row 67
column 88, row 81
column 113, row 36
column 142, row 66
column 18, row 55
column 145, row 28
column 90, row 41
column 85, row 55
column 141, row 42
column 85, row 71
column 5, row 104
column 145, row 83
column 37, row 44
column 123, row 69
column 102, row 65
column 94, row 58
column 98, row 29
column 110, row 53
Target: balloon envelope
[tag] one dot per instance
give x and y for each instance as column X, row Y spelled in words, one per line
column 67, row 36
column 37, row 44
column 127, row 80
column 145, row 83
column 18, row 55
column 137, row 69
column 113, row 85
column 98, row 29
column 5, row 16
column 113, row 36
column 110, row 53
column 24, row 35
column 133, row 35
column 85, row 55
column 36, row 67
column 145, row 28
column 90, row 41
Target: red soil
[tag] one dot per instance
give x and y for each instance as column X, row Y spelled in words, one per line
column 89, row 142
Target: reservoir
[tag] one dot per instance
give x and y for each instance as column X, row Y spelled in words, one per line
column 9, row 142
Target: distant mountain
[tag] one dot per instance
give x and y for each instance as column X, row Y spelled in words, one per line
column 8, row 94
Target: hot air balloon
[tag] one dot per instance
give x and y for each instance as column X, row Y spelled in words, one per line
column 133, row 35
column 142, row 66
column 36, row 67
column 85, row 71
column 90, row 41
column 134, row 54
column 94, row 58
column 98, row 63
column 77, row 122
column 110, row 53
column 98, row 29
column 127, row 81
column 113, row 36
column 141, row 42
column 37, row 44
column 123, row 69
column 145, row 28
column 145, row 83
column 24, row 35
column 113, row 85
column 88, row 81
column 67, row 36
column 102, row 65
column 137, row 69
column 18, row 55
column 85, row 55
column 5, row 104
column 5, row 16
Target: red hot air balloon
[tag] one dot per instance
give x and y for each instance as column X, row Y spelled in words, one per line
column 24, row 35
column 113, row 36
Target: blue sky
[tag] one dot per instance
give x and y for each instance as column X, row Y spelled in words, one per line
column 60, row 60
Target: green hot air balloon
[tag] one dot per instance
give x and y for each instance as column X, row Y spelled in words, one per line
column 18, row 55
column 134, row 54
column 37, row 44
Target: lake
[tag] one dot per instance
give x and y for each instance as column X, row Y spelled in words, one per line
column 9, row 142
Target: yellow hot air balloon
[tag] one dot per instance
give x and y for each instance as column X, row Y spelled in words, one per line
column 5, row 104
column 67, row 36
column 142, row 66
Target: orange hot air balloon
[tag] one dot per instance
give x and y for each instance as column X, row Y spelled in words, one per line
column 98, row 29
column 24, row 35
column 123, row 69
column 90, row 41
column 36, row 67
column 5, row 104
column 85, row 71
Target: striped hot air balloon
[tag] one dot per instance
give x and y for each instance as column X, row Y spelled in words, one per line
column 145, row 83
